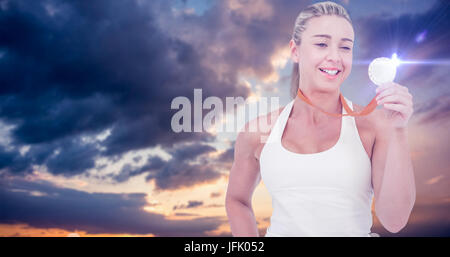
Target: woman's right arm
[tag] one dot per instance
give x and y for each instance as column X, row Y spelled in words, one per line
column 243, row 179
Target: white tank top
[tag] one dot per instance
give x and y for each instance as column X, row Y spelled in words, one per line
column 322, row 194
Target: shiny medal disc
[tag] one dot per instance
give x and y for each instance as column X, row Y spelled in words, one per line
column 382, row 70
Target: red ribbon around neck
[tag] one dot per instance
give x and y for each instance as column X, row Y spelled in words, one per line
column 368, row 109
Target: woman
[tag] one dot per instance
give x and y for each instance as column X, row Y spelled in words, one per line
column 323, row 170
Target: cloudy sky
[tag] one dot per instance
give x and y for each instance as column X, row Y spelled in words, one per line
column 86, row 143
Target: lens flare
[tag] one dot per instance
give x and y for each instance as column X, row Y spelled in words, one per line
column 395, row 59
column 421, row 36
column 382, row 70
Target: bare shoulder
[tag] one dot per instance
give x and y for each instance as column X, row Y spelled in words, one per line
column 254, row 130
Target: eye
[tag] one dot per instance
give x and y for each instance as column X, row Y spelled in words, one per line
column 346, row 48
column 321, row 45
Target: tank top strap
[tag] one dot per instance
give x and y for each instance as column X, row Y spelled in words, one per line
column 277, row 129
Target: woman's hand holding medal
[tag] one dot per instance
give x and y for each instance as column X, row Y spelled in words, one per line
column 395, row 98
column 397, row 103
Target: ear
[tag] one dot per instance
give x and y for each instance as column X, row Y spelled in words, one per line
column 294, row 51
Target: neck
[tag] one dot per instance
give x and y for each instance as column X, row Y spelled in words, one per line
column 326, row 101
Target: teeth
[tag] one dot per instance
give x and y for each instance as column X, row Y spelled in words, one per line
column 331, row 72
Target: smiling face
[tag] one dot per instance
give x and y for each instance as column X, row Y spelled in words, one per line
column 325, row 52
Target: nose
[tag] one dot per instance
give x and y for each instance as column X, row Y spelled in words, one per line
column 333, row 55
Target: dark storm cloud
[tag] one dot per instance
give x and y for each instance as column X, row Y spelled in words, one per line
column 57, row 118
column 128, row 170
column 72, row 158
column 189, row 205
column 74, row 69
column 13, row 160
column 182, row 153
column 42, row 205
column 228, row 155
column 195, row 204
column 176, row 175
column 188, row 166
column 69, row 156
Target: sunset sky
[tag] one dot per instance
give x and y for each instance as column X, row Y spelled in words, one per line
column 86, row 144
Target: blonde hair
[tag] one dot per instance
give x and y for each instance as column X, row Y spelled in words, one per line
column 314, row 10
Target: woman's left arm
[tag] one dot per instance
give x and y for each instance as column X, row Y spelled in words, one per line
column 392, row 169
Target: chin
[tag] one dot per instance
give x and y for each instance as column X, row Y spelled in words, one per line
column 328, row 87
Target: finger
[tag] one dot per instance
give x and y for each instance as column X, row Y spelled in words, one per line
column 397, row 99
column 400, row 87
column 389, row 85
column 386, row 92
column 382, row 92
column 393, row 91
column 383, row 86
column 396, row 107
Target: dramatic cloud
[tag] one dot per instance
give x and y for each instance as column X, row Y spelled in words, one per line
column 74, row 70
column 190, row 205
column 189, row 165
column 179, row 175
column 436, row 110
column 228, row 155
column 239, row 35
column 42, row 205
